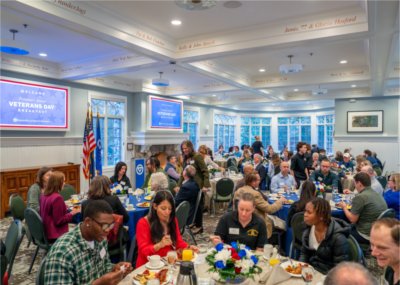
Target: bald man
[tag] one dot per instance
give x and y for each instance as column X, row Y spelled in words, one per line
column 283, row 179
column 375, row 185
column 349, row 273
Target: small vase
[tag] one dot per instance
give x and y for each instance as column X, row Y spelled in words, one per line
column 237, row 280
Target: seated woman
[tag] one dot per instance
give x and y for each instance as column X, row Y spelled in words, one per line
column 53, row 210
column 100, row 190
column 325, row 239
column 120, row 177
column 38, row 187
column 307, row 194
column 158, row 232
column 189, row 191
column 263, row 208
column 392, row 195
column 242, row 225
column 159, row 182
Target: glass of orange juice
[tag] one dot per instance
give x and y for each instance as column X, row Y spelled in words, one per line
column 187, row 255
column 273, row 261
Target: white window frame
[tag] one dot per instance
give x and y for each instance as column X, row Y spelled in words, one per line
column 193, row 109
column 115, row 98
column 235, row 131
column 260, row 126
column 288, row 128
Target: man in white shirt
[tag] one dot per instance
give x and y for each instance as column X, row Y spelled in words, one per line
column 375, row 185
column 283, row 179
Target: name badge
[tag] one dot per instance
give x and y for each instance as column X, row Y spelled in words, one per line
column 102, row 253
column 192, row 162
column 234, row 231
column 122, row 183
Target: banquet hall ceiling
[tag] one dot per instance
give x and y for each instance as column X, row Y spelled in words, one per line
column 218, row 52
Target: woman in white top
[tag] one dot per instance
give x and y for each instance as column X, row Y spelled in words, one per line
column 325, row 239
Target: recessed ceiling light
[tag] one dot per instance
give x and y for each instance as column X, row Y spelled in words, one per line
column 43, row 54
column 261, row 70
column 214, row 95
column 353, row 86
column 176, row 22
column 232, row 4
column 343, row 61
column 295, row 90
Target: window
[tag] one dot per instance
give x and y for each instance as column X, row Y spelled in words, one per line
column 252, row 126
column 191, row 125
column 325, row 128
column 224, row 131
column 112, row 127
column 291, row 130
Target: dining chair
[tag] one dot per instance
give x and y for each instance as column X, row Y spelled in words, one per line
column 182, row 215
column 233, row 168
column 382, row 180
column 223, row 191
column 12, row 243
column 355, row 251
column 67, row 191
column 17, row 208
column 36, row 228
column 40, row 273
column 188, row 229
column 297, row 224
column 133, row 252
column 388, row 213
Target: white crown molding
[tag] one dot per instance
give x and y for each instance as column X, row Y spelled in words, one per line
column 149, row 138
column 371, row 138
column 39, row 141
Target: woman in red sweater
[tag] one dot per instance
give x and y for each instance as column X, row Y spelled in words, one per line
column 53, row 209
column 158, row 232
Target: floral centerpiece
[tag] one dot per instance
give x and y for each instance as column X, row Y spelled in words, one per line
column 320, row 189
column 233, row 263
column 117, row 189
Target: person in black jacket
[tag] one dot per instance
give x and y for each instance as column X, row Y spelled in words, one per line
column 325, row 239
column 100, row 190
column 120, row 177
column 188, row 191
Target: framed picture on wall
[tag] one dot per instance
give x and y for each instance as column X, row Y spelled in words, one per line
column 365, row 121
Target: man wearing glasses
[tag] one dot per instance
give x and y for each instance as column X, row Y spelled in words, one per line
column 81, row 257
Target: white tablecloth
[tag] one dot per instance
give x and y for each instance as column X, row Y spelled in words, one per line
column 201, row 271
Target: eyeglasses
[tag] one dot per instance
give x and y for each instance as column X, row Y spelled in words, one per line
column 105, row 227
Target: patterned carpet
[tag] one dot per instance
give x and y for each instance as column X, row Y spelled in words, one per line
column 20, row 275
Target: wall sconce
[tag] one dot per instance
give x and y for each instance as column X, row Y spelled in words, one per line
column 206, row 129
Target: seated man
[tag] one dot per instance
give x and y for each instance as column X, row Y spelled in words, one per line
column 347, row 164
column 375, row 184
column 349, row 273
column 242, row 225
column 189, row 191
column 366, row 208
column 385, row 246
column 170, row 168
column 80, row 256
column 325, row 175
column 283, row 179
column 152, row 166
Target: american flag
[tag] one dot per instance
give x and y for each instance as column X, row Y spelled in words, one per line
column 89, row 144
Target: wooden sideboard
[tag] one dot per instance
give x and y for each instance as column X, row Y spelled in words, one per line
column 18, row 180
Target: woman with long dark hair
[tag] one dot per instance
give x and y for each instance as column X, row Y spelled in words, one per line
column 307, row 194
column 158, row 232
column 324, row 243
column 120, row 175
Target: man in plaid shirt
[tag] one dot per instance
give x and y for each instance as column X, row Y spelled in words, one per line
column 80, row 256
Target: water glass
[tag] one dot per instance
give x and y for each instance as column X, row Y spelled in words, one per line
column 138, row 197
column 308, row 274
column 335, row 190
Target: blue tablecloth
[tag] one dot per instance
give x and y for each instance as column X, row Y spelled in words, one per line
column 284, row 211
column 134, row 216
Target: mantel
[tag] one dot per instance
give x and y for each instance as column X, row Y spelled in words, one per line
column 159, row 138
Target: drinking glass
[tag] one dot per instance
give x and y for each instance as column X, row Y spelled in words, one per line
column 172, row 256
column 138, row 197
column 335, row 190
column 308, row 274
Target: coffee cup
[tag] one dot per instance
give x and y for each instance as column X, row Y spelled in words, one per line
column 75, row 197
column 129, row 207
column 154, row 260
column 268, row 249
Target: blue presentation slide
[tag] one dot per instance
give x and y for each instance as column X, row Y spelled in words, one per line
column 25, row 105
column 166, row 114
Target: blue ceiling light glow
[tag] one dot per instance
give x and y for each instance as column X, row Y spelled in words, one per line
column 13, row 47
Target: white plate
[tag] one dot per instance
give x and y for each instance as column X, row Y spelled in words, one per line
column 287, row 263
column 161, row 265
column 167, row 281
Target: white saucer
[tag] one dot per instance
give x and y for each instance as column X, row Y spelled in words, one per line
column 161, row 265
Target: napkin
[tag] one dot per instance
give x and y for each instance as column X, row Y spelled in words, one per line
column 277, row 275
